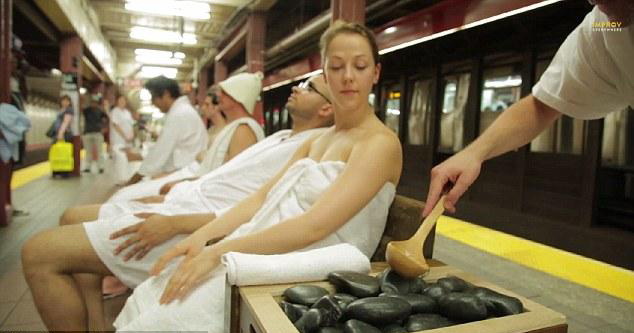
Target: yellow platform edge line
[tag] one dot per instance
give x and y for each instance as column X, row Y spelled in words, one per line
column 606, row 278
column 33, row 172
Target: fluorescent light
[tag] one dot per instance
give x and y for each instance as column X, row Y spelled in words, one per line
column 158, row 60
column 189, row 9
column 56, row 72
column 161, row 36
column 179, row 55
column 153, row 53
column 82, row 90
column 154, row 71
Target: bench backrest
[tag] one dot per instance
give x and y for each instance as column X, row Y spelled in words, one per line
column 402, row 222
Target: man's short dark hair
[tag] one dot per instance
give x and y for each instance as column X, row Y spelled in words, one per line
column 159, row 85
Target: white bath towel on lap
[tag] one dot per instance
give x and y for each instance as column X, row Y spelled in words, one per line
column 300, row 187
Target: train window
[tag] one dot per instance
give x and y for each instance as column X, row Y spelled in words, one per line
column 419, row 122
column 284, row 118
column 618, row 130
column 393, row 109
column 565, row 136
column 276, row 119
column 455, row 93
column 502, row 88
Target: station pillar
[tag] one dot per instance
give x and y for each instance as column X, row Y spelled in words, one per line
column 348, row 10
column 220, row 71
column 6, row 28
column 71, row 52
column 256, row 34
column 203, row 83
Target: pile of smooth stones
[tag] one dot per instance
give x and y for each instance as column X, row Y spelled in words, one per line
column 389, row 303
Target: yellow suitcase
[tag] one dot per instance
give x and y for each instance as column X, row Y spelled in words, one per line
column 61, row 157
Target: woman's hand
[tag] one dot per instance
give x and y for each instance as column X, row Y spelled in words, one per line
column 188, row 247
column 190, row 273
column 145, row 235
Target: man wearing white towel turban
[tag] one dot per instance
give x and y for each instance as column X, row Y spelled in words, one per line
column 219, row 189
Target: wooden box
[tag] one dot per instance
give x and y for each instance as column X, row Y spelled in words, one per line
column 255, row 309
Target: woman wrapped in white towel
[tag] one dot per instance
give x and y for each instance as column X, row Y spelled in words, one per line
column 337, row 188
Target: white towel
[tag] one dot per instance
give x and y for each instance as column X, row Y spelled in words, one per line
column 255, row 269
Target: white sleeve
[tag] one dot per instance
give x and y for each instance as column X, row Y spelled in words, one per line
column 580, row 79
column 160, row 153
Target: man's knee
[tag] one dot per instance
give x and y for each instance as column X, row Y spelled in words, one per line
column 34, row 253
column 68, row 217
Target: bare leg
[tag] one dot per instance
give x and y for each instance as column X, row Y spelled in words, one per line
column 89, row 284
column 49, row 259
column 79, row 214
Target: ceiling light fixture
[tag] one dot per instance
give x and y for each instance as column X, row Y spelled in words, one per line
column 162, row 36
column 188, row 9
column 158, row 60
column 154, row 71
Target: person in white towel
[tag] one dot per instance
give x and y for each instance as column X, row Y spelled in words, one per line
column 121, row 138
column 154, row 224
column 237, row 96
column 337, row 188
column 183, row 134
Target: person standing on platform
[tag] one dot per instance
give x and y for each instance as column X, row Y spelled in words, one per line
column 591, row 75
column 94, row 121
column 121, row 137
column 183, row 135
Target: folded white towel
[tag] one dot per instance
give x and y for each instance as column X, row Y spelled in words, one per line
column 255, row 269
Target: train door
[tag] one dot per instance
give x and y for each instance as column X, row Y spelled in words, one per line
column 615, row 185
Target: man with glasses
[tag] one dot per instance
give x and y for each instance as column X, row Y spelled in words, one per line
column 77, row 256
column 591, row 75
column 183, row 134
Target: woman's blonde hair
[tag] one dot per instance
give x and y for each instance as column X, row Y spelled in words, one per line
column 340, row 27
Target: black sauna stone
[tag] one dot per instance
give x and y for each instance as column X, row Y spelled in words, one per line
column 378, row 310
column 394, row 328
column 420, row 303
column 391, row 282
column 310, row 321
column 498, row 304
column 304, row 294
column 463, row 307
column 357, row 326
column 426, row 321
column 453, row 283
column 332, row 310
column 293, row 311
column 344, row 299
column 356, row 284
column 435, row 291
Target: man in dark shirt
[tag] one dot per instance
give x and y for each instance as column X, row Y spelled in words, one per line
column 94, row 121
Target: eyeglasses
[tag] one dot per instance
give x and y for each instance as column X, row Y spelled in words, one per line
column 309, row 86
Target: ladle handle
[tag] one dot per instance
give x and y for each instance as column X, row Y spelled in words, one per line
column 430, row 221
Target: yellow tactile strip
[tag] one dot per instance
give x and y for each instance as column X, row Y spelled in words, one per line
column 26, row 175
column 590, row 273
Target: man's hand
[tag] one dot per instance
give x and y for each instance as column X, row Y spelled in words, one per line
column 135, row 179
column 454, row 175
column 151, row 199
column 168, row 187
column 145, row 235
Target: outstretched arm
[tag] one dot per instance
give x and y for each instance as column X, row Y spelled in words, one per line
column 515, row 127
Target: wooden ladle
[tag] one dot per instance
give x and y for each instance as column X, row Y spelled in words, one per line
column 406, row 256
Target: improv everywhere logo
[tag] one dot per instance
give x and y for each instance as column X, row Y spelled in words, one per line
column 607, row 26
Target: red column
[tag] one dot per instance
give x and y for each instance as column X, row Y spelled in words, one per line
column 256, row 33
column 6, row 27
column 202, row 84
column 71, row 51
column 348, row 10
